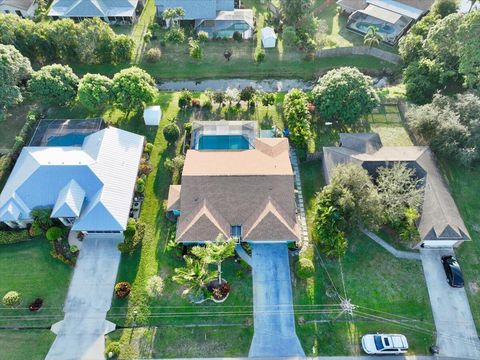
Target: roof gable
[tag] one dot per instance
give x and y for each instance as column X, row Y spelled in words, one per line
column 70, row 200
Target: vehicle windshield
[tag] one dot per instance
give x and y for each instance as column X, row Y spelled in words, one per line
column 378, row 342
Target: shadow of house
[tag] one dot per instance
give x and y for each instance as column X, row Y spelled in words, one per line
column 440, row 223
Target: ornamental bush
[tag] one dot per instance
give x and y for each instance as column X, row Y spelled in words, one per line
column 155, row 286
column 185, row 98
column 304, row 268
column 112, row 348
column 259, row 55
column 12, row 299
column 122, row 289
column 171, row 132
column 153, row 55
column 54, row 233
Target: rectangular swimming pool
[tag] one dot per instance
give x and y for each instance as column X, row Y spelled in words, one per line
column 222, row 142
column 72, row 139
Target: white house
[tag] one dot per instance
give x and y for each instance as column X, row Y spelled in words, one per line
column 22, row 8
column 89, row 187
column 111, row 11
column 269, row 38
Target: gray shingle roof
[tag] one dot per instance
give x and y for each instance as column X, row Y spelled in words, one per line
column 440, row 218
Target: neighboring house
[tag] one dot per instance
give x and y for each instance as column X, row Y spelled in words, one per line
column 22, row 8
column 89, row 187
column 440, row 223
column 111, row 11
column 218, row 18
column 391, row 17
column 247, row 193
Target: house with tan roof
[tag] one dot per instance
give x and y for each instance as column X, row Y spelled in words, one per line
column 440, row 223
column 243, row 193
column 392, row 18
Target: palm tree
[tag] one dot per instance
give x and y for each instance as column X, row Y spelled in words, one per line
column 372, row 37
column 194, row 275
column 171, row 15
column 215, row 252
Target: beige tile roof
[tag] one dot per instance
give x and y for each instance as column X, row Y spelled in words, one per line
column 270, row 157
column 173, row 202
column 252, row 188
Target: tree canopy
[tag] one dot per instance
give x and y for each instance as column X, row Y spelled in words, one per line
column 295, row 107
column 132, row 88
column 14, row 69
column 95, row 91
column 54, row 84
column 344, row 95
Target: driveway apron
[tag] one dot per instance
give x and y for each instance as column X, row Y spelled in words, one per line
column 456, row 333
column 274, row 321
column 80, row 336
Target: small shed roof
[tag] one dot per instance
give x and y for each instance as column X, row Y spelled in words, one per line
column 268, row 32
column 152, row 115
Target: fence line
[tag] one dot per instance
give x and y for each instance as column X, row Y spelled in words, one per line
column 360, row 50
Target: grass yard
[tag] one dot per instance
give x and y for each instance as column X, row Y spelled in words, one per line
column 28, row 268
column 464, row 184
column 25, row 344
column 11, row 122
column 396, row 290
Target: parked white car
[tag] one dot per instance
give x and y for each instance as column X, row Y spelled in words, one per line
column 384, row 344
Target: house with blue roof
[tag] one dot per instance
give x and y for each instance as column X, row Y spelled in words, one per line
column 89, row 187
column 218, row 18
column 111, row 11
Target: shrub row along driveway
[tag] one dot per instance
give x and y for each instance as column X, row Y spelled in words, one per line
column 80, row 336
column 456, row 333
column 274, row 321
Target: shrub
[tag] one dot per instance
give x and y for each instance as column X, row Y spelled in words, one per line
column 202, row 36
column 185, row 99
column 175, row 35
column 12, row 299
column 153, row 55
column 188, row 127
column 145, row 168
column 259, row 55
column 140, row 185
column 112, row 348
column 13, row 236
column 248, row 93
column 175, row 164
column 155, row 286
column 41, row 218
column 171, row 132
column 304, row 268
column 74, row 249
column 219, row 97
column 133, row 236
column 122, row 289
column 54, row 233
column 196, row 103
column 36, row 304
column 148, row 148
column 237, row 36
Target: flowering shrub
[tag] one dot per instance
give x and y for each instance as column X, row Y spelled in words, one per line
column 122, row 289
column 12, row 299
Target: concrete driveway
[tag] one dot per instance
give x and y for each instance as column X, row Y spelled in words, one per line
column 456, row 333
column 80, row 336
column 274, row 321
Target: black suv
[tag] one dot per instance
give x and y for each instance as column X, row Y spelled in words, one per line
column 452, row 270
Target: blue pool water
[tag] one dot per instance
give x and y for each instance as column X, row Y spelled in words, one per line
column 385, row 28
column 222, row 142
column 66, row 140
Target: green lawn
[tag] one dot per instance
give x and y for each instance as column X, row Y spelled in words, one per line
column 28, row 268
column 382, row 287
column 11, row 124
column 465, row 184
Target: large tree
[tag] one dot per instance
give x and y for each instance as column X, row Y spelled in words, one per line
column 293, row 11
column 400, row 189
column 95, row 91
column 344, row 95
column 469, row 49
column 132, row 88
column 295, row 108
column 450, row 126
column 14, row 69
column 54, row 84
